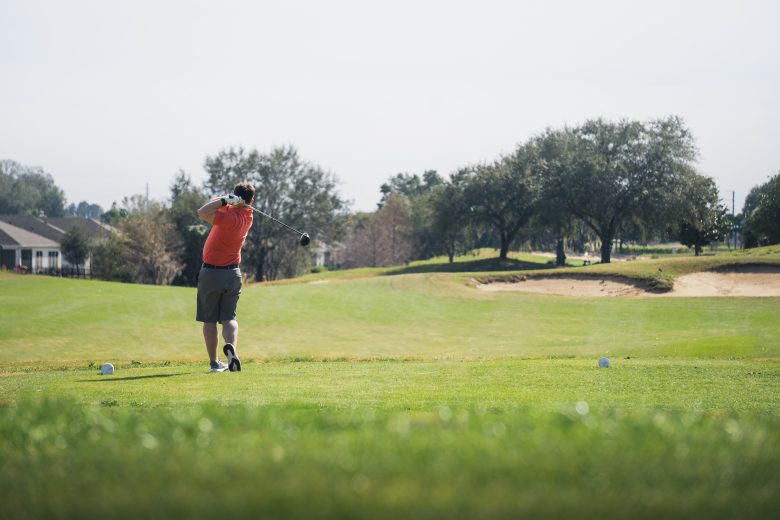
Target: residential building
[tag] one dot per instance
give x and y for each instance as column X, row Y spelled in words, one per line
column 32, row 244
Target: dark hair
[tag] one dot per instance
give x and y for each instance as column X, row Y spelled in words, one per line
column 246, row 191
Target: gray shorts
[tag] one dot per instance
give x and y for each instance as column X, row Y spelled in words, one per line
column 218, row 292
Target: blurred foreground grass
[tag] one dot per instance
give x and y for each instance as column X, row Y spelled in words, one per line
column 545, row 438
column 64, row 460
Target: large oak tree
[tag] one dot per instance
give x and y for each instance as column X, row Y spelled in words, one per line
column 608, row 174
column 298, row 193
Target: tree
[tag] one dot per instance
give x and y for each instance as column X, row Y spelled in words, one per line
column 762, row 214
column 29, row 190
column 365, row 246
column 552, row 217
column 417, row 192
column 450, row 218
column 111, row 259
column 608, row 174
column 704, row 219
column 295, row 192
column 381, row 238
column 504, row 194
column 85, row 210
column 75, row 245
column 186, row 198
column 394, row 226
column 152, row 242
column 114, row 216
column 410, row 185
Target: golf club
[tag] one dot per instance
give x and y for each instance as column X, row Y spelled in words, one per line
column 304, row 240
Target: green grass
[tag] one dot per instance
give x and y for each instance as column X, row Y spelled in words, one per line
column 548, row 385
column 435, row 316
column 405, row 396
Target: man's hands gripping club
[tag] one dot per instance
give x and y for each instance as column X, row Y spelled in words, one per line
column 231, row 199
column 207, row 211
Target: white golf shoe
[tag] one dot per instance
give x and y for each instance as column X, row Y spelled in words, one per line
column 218, row 366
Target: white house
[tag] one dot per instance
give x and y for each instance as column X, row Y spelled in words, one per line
column 33, row 243
column 328, row 254
column 19, row 247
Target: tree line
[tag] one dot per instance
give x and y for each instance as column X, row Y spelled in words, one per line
column 604, row 182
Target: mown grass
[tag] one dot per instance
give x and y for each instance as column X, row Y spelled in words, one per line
column 685, row 385
column 433, row 316
column 408, row 396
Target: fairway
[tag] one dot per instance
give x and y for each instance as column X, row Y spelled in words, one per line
column 379, row 395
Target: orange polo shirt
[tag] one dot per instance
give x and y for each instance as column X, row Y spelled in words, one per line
column 227, row 236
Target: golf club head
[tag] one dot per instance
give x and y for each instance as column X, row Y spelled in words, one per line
column 305, row 239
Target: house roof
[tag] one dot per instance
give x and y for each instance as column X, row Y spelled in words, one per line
column 33, row 225
column 6, row 240
column 22, row 238
column 93, row 227
column 54, row 228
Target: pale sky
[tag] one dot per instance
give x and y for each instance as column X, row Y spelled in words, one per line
column 108, row 96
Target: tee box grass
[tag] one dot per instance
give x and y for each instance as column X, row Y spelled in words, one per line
column 380, row 394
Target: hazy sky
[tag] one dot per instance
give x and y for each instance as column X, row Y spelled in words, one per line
column 109, row 95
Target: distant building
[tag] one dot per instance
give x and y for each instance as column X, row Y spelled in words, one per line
column 328, row 254
column 32, row 244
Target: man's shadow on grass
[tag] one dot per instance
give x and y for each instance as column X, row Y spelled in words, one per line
column 132, row 378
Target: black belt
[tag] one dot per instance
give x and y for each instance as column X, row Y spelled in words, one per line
column 209, row 266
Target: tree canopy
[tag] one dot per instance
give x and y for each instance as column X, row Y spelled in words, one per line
column 296, row 192
column 29, row 191
column 503, row 195
column 609, row 173
column 703, row 218
column 762, row 214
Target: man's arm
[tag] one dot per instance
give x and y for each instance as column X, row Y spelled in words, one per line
column 209, row 209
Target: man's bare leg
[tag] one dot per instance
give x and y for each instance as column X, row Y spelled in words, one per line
column 211, row 336
column 230, row 332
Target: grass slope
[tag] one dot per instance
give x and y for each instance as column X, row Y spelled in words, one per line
column 422, row 316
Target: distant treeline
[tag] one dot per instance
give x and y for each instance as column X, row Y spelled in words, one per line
column 604, row 182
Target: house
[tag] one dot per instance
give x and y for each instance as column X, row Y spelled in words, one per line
column 32, row 244
column 328, row 254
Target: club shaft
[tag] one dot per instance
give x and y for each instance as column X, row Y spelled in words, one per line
column 276, row 220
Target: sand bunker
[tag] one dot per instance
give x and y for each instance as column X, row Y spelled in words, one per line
column 752, row 281
column 755, row 283
column 580, row 286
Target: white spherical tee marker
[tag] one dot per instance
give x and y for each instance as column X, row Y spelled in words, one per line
column 107, row 369
column 604, row 362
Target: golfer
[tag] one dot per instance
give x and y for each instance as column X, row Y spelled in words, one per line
column 219, row 281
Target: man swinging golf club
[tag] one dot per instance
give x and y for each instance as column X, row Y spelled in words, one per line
column 219, row 281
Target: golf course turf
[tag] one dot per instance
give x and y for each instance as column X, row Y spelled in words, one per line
column 392, row 394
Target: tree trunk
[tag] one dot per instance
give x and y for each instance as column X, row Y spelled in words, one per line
column 504, row 250
column 606, row 249
column 504, row 246
column 696, row 250
column 260, row 267
column 560, row 254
